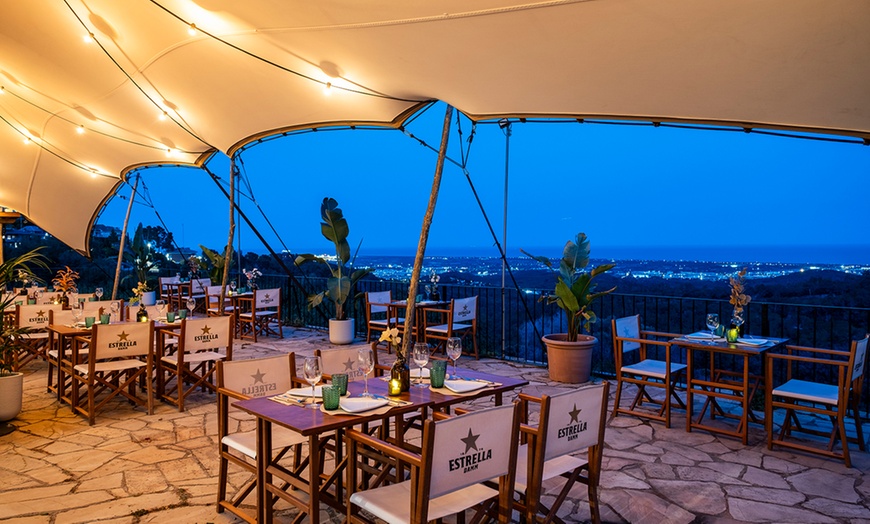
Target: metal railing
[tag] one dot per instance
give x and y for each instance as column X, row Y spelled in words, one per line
column 802, row 324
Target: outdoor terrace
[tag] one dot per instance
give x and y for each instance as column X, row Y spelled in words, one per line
column 135, row 468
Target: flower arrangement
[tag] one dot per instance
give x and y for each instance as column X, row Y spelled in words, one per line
column 65, row 281
column 432, row 287
column 140, row 289
column 252, row 277
column 391, row 337
column 193, row 266
column 738, row 299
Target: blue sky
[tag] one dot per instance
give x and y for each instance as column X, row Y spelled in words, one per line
column 635, row 191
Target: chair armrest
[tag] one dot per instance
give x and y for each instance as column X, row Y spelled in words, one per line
column 661, row 334
column 645, row 341
column 807, row 349
column 461, row 411
column 440, row 415
column 528, row 398
column 529, row 430
column 810, row 360
column 232, row 394
column 385, row 447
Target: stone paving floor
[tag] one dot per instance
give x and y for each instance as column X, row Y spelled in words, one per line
column 135, row 468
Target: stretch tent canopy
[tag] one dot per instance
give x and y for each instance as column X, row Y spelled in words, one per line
column 92, row 89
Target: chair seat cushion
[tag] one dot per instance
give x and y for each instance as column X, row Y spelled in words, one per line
column 191, row 358
column 246, row 442
column 393, row 503
column 652, row 368
column 385, row 322
column 552, row 468
column 808, row 391
column 111, row 365
column 443, row 328
column 260, row 314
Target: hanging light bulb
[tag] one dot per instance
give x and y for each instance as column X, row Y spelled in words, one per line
column 327, row 89
column 2, row 90
column 191, row 30
column 89, row 38
column 80, row 129
column 163, row 116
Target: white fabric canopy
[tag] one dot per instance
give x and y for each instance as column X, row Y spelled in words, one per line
column 258, row 67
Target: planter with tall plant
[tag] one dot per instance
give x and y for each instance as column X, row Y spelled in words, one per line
column 343, row 279
column 140, row 254
column 12, row 380
column 569, row 355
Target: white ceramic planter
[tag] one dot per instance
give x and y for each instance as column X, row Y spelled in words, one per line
column 149, row 298
column 11, row 389
column 341, row 331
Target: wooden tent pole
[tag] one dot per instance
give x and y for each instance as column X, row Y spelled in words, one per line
column 123, row 238
column 424, row 231
column 228, row 258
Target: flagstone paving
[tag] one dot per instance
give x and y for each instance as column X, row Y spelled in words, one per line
column 135, row 468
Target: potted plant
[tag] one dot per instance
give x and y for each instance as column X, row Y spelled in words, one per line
column 65, row 283
column 143, row 259
column 339, row 287
column 11, row 381
column 570, row 354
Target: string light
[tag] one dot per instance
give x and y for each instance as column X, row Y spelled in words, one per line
column 163, row 116
column 2, row 90
column 327, row 89
column 191, row 30
column 80, row 129
column 89, row 38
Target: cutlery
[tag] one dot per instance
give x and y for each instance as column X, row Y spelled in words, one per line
column 393, row 401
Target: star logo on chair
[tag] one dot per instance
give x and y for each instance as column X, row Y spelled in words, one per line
column 625, row 332
column 206, row 330
column 258, row 377
column 470, row 441
column 575, row 415
column 348, row 366
column 40, row 313
column 123, row 335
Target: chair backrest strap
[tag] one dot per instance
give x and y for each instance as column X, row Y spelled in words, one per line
column 206, row 333
column 267, row 298
column 374, row 298
column 859, row 358
column 342, row 360
column 128, row 339
column 34, row 316
column 627, row 327
column 464, row 309
column 574, row 420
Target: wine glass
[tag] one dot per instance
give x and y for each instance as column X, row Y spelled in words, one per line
column 454, row 351
column 233, row 287
column 313, row 372
column 366, row 364
column 77, row 311
column 191, row 305
column 712, row 323
column 421, row 358
column 161, row 308
column 39, row 295
column 98, row 293
column 115, row 306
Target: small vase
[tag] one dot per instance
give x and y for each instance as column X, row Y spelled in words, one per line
column 142, row 314
column 400, row 367
column 435, row 296
column 737, row 319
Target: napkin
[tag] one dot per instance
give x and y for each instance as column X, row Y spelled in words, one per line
column 359, row 404
column 415, row 372
column 701, row 335
column 464, row 386
column 306, row 391
column 752, row 341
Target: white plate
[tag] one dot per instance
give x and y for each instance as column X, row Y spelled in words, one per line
column 701, row 336
column 306, row 391
column 360, row 404
column 464, row 386
column 752, row 341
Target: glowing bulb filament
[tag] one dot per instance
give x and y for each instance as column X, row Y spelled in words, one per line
column 191, row 30
column 88, row 38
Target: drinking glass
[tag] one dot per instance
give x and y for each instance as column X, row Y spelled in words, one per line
column 232, row 287
column 366, row 364
column 191, row 305
column 39, row 296
column 161, row 308
column 77, row 311
column 313, row 372
column 115, row 306
column 98, row 293
column 421, row 358
column 712, row 323
column 454, row 351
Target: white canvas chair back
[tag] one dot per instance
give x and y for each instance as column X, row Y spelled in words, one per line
column 198, row 285
column 859, row 358
column 628, row 327
column 92, row 309
column 168, row 280
column 85, row 297
column 128, row 339
column 267, row 298
column 260, row 377
column 575, row 421
column 34, row 316
column 63, row 317
column 342, row 360
column 206, row 333
column 464, row 309
column 376, row 298
column 213, row 296
column 471, row 448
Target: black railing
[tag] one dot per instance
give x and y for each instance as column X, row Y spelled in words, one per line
column 513, row 336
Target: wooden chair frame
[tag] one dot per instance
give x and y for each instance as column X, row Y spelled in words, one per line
column 379, row 314
column 262, row 314
column 646, row 373
column 797, row 395
column 448, row 318
column 33, row 344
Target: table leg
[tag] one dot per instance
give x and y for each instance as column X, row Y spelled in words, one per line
column 689, row 388
column 744, row 417
column 314, row 479
column 264, row 457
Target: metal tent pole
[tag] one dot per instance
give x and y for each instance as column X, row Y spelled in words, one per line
column 506, row 127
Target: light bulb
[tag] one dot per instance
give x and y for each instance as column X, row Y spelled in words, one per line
column 327, row 89
column 191, row 30
column 88, row 38
column 2, row 90
column 163, row 116
column 80, row 129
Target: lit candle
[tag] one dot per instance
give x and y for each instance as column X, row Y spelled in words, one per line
column 731, row 334
column 395, row 387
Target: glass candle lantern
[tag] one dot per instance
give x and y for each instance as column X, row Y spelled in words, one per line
column 395, row 387
column 732, row 333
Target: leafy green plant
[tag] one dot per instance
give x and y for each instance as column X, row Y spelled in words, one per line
column 574, row 291
column 143, row 258
column 215, row 264
column 10, row 271
column 339, row 287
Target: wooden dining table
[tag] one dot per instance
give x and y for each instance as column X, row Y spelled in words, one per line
column 319, row 427
column 728, row 377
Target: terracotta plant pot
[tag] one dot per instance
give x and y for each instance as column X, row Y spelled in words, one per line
column 11, row 390
column 341, row 331
column 569, row 362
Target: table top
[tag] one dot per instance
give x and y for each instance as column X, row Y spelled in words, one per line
column 731, row 347
column 313, row 421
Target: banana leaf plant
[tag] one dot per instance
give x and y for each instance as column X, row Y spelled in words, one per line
column 339, row 286
column 143, row 259
column 10, row 271
column 216, row 262
column 574, row 291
